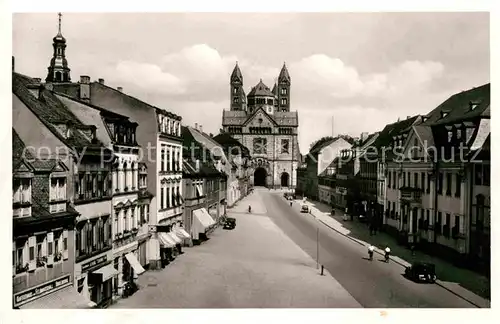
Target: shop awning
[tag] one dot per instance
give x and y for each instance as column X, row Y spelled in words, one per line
column 107, row 272
column 66, row 298
column 165, row 241
column 175, row 238
column 138, row 269
column 203, row 218
column 182, row 233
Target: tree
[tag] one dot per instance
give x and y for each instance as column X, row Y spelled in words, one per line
column 325, row 139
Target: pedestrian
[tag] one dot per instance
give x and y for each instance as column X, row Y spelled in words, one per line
column 290, row 204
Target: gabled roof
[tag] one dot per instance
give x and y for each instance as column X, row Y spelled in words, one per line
column 260, row 90
column 206, row 169
column 385, row 136
column 262, row 111
column 459, row 106
column 229, row 142
column 21, row 156
column 51, row 112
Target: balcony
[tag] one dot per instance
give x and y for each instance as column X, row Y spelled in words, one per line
column 412, row 196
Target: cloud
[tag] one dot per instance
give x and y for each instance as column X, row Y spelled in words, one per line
column 194, row 82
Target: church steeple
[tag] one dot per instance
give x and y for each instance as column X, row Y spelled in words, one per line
column 58, row 69
column 238, row 98
column 284, row 83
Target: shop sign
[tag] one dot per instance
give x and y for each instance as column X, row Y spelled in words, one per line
column 34, row 292
column 94, row 263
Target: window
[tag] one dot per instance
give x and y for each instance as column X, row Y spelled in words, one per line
column 389, row 179
column 283, row 101
column 162, row 165
column 458, row 185
column 448, row 184
column 422, row 180
column 415, row 180
column 22, row 190
column 168, row 198
column 428, row 183
column 162, row 199
column 235, row 100
column 457, row 224
column 259, row 146
column 427, row 217
column 125, row 220
column 169, row 168
column 440, row 183
column 283, row 91
column 404, row 179
column 58, row 189
column 235, row 90
column 450, row 136
column 173, row 198
column 284, row 145
column 178, row 194
column 482, row 174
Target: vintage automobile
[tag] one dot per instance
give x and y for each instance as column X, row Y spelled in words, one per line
column 229, row 223
column 421, row 272
column 304, row 209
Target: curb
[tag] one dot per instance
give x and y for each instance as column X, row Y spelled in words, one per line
column 401, row 264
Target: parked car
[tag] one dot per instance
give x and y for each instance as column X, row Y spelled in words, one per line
column 304, row 209
column 421, row 272
column 229, row 223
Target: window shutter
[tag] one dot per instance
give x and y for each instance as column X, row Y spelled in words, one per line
column 50, row 240
column 65, row 238
column 32, row 244
column 44, row 246
column 105, row 231
column 26, row 255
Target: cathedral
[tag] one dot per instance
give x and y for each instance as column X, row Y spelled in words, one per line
column 263, row 122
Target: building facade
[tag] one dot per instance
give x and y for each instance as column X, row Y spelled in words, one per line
column 53, row 126
column 43, row 232
column 431, row 190
column 262, row 121
column 118, row 134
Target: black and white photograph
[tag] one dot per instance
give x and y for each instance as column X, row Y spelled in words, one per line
column 240, row 160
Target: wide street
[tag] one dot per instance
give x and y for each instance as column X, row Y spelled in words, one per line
column 262, row 263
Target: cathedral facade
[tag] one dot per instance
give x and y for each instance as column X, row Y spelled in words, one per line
column 263, row 122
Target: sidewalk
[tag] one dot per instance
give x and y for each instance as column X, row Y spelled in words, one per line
column 238, row 269
column 465, row 283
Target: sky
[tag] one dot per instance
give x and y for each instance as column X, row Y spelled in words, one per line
column 351, row 72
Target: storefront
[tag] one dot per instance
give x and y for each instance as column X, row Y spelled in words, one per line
column 127, row 265
column 171, row 240
column 56, row 294
column 202, row 221
column 213, row 211
column 95, row 279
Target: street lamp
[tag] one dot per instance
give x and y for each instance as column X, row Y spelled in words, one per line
column 317, row 238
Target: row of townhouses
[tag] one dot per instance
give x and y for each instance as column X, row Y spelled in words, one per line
column 424, row 179
column 105, row 187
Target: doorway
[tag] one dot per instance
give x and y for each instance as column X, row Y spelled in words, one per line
column 260, row 177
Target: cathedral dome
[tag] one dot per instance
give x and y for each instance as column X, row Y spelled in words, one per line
column 260, row 90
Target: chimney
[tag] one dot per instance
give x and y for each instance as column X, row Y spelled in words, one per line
column 364, row 136
column 120, row 89
column 408, row 117
column 85, row 88
column 13, row 64
column 196, row 126
column 84, row 79
column 197, row 165
column 101, row 81
column 200, row 128
column 37, row 80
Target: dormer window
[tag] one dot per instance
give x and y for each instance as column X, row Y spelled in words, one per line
column 444, row 114
column 450, row 136
column 21, row 190
column 57, row 194
column 459, row 133
column 473, row 105
column 69, row 132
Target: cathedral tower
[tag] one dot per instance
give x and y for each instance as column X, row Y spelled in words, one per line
column 284, row 83
column 58, row 69
column 238, row 97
